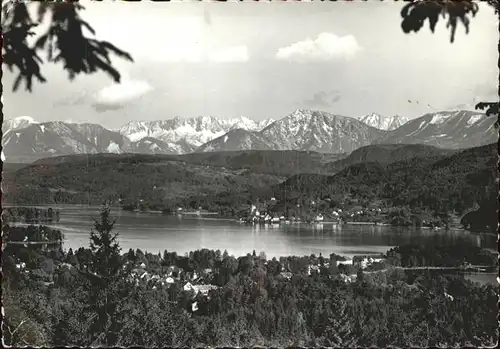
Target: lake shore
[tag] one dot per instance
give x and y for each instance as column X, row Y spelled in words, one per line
column 214, row 215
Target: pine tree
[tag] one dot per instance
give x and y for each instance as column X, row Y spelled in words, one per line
column 106, row 286
column 104, row 247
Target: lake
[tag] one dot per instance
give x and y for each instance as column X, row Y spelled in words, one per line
column 154, row 232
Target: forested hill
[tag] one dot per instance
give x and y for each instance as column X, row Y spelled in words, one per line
column 96, row 178
column 279, row 162
column 436, row 182
column 388, row 153
column 453, row 182
column 283, row 162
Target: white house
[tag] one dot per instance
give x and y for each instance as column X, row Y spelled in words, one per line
column 347, row 278
column 346, row 262
column 449, row 296
column 204, row 289
column 188, row 287
column 194, row 306
column 311, row 268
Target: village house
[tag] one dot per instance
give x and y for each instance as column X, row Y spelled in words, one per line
column 346, row 262
column 65, row 265
column 188, row 287
column 348, row 278
column 203, row 289
column 313, row 268
column 449, row 296
column 319, row 218
column 21, row 265
column 364, row 262
column 194, row 306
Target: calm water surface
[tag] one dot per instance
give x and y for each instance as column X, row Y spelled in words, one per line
column 154, row 233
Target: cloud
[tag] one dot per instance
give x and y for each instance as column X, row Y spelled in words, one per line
column 231, row 54
column 117, row 96
column 323, row 99
column 325, row 47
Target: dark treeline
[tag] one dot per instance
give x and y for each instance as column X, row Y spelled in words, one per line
column 30, row 215
column 98, row 296
column 31, row 233
column 440, row 256
column 452, row 183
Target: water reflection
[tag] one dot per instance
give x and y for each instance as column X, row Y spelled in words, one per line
column 156, row 232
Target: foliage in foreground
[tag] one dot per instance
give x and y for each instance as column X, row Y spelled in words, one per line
column 63, row 42
column 86, row 299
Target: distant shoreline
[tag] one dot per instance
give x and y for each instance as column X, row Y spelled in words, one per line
column 33, row 242
column 210, row 216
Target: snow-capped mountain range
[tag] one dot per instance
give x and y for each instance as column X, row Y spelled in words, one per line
column 185, row 135
column 302, row 130
column 387, row 123
column 17, row 123
column 447, row 129
column 60, row 138
column 25, row 138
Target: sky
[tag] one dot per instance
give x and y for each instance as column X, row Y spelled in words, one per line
column 264, row 60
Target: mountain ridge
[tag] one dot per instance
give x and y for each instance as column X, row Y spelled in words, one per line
column 304, row 130
column 384, row 122
column 446, row 129
column 25, row 139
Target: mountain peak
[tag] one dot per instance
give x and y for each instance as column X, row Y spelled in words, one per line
column 18, row 123
column 25, row 118
column 195, row 131
column 319, row 131
column 445, row 129
column 386, row 123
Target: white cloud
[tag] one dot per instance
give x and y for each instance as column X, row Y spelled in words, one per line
column 116, row 96
column 325, row 47
column 231, row 54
